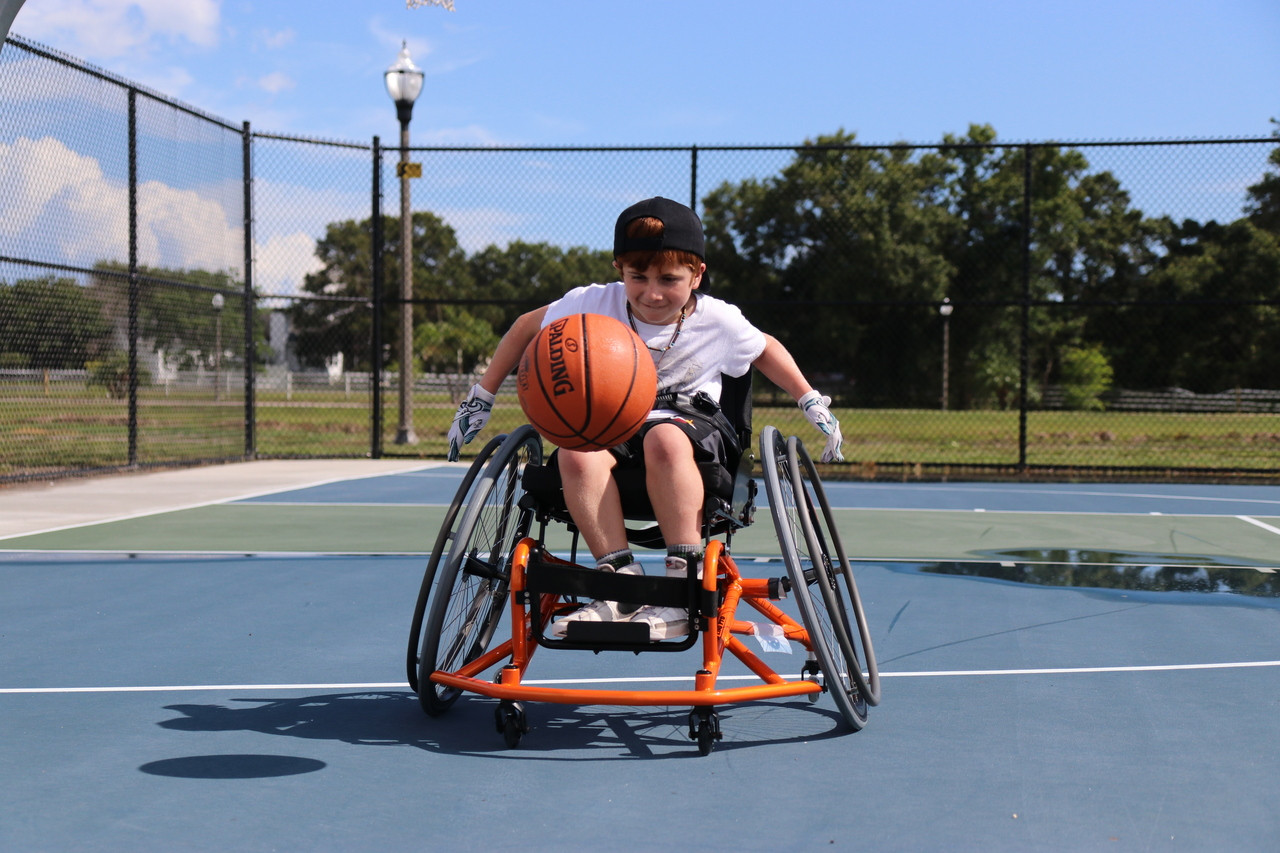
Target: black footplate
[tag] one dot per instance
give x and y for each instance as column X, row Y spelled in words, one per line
column 607, row 632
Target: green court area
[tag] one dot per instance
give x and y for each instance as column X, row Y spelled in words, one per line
column 887, row 534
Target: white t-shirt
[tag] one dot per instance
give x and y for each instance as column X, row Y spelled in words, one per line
column 716, row 339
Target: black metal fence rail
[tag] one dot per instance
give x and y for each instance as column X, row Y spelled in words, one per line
column 178, row 288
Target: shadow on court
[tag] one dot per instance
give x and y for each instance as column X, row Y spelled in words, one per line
column 559, row 732
column 232, row 766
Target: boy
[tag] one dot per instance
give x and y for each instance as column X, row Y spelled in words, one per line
column 658, row 248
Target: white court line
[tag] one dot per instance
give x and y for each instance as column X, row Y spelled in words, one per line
column 1255, row 521
column 171, row 553
column 344, row 504
column 1050, row 512
column 399, row 685
column 839, row 485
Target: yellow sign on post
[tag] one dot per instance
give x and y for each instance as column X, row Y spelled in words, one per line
column 408, row 170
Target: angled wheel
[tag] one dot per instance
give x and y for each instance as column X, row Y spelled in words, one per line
column 444, row 539
column 810, row 569
column 471, row 584
column 838, row 608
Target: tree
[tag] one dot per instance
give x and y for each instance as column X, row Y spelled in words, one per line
column 1263, row 206
column 337, row 319
column 840, row 223
column 873, row 239
column 458, row 345
column 176, row 313
column 51, row 323
column 1192, row 332
column 1086, row 376
column 467, row 302
column 525, row 275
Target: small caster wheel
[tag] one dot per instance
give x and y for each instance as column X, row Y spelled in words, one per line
column 510, row 720
column 704, row 727
column 812, row 674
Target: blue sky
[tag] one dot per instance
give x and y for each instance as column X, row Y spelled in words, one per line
column 584, row 72
column 600, row 72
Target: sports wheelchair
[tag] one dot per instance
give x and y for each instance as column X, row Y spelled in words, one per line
column 493, row 556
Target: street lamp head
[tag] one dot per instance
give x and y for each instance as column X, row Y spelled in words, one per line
column 218, row 302
column 404, row 83
column 946, row 307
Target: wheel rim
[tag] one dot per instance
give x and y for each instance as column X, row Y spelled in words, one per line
column 788, row 503
column 842, row 666
column 840, row 589
column 444, row 540
column 477, row 570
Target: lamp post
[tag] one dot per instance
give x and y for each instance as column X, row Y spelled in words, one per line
column 404, row 83
column 218, row 302
column 945, row 310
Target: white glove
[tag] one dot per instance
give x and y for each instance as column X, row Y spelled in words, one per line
column 814, row 406
column 471, row 417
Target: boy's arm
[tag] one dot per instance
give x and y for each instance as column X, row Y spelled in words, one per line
column 778, row 366
column 781, row 369
column 473, row 413
column 511, row 348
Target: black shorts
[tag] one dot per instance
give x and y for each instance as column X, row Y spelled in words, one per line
column 708, row 450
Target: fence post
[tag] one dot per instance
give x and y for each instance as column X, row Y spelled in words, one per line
column 375, row 356
column 1024, row 358
column 250, row 306
column 134, row 296
column 693, row 178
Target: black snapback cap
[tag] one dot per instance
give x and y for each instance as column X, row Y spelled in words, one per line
column 681, row 228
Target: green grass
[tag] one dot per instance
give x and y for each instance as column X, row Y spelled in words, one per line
column 908, row 436
column 1126, row 439
column 68, row 427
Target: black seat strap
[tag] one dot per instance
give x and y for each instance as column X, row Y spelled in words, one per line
column 701, row 405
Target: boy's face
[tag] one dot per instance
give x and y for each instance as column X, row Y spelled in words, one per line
column 658, row 294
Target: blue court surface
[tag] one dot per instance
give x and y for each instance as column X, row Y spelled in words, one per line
column 1065, row 667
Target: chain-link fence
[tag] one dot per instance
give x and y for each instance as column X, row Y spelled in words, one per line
column 123, row 311
column 177, row 288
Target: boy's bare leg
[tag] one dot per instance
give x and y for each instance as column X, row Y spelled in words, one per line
column 674, row 484
column 591, row 494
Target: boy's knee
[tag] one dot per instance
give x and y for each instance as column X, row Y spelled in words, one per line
column 574, row 463
column 667, row 444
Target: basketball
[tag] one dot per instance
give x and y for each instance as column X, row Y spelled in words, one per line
column 586, row 382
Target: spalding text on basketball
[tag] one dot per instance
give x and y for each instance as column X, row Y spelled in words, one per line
column 556, row 346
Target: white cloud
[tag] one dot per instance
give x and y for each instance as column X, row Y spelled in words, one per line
column 182, row 229
column 280, row 264
column 59, row 206
column 112, row 28
column 277, row 40
column 23, row 167
column 276, row 82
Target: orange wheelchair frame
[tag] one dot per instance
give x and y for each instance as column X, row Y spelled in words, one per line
column 483, row 576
